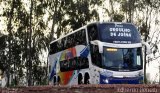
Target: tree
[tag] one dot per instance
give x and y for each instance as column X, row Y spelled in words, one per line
column 9, row 28
column 149, row 9
column 112, row 13
column 22, row 47
column 3, row 58
column 30, row 47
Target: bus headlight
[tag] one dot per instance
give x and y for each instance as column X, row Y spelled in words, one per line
column 107, row 81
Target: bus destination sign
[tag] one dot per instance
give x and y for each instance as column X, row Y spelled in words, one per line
column 119, row 33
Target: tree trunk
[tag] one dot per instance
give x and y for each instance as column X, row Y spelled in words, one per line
column 145, row 62
column 131, row 9
column 147, row 25
column 9, row 28
column 30, row 47
column 54, row 20
column 112, row 10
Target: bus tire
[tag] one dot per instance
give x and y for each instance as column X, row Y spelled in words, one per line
column 58, row 80
column 54, row 80
column 86, row 78
column 80, row 79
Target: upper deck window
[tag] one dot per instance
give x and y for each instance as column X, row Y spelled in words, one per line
column 92, row 32
column 77, row 38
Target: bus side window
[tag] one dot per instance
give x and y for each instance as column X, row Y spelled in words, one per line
column 53, row 48
column 80, row 37
column 59, row 45
column 77, row 39
column 74, row 64
column 92, row 32
column 65, row 43
column 72, row 41
column 84, row 41
column 63, row 65
column 68, row 41
column 95, row 55
column 50, row 68
column 83, row 63
column 62, row 44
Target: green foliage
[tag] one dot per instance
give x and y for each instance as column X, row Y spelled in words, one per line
column 3, row 45
column 118, row 17
column 19, row 45
column 78, row 12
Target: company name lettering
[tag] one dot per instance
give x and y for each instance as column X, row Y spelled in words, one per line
column 120, row 32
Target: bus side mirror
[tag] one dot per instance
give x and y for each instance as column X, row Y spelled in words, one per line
column 100, row 45
column 148, row 48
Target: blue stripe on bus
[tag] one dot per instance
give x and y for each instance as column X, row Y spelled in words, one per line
column 84, row 52
column 53, row 70
column 125, row 80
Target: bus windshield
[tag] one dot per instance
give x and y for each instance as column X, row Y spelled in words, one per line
column 122, row 59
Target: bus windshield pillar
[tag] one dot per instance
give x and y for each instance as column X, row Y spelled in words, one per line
column 100, row 45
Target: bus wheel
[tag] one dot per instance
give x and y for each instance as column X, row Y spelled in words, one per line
column 58, row 80
column 80, row 79
column 54, row 80
column 86, row 78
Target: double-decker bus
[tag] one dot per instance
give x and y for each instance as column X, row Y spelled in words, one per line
column 97, row 53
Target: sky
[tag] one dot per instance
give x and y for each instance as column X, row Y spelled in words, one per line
column 2, row 19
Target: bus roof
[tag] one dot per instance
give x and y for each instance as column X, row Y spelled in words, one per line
column 83, row 27
column 69, row 34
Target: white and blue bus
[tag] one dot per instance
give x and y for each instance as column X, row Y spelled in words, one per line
column 98, row 53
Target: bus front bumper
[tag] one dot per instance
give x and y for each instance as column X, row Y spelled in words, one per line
column 123, row 80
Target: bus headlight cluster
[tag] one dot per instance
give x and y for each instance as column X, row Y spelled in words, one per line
column 106, row 81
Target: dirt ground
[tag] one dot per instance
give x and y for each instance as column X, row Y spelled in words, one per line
column 115, row 88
